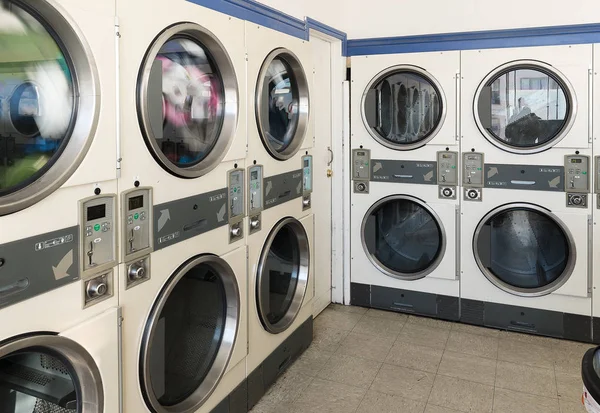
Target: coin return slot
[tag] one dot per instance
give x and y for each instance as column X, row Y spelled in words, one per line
column 195, row 225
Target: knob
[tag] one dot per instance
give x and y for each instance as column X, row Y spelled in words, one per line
column 136, row 272
column 361, row 187
column 576, row 200
column 96, row 288
column 254, row 223
column 472, row 194
column 447, row 192
column 236, row 232
column 306, row 202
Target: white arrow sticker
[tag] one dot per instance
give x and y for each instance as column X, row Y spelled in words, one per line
column 554, row 183
column 299, row 187
column 165, row 215
column 60, row 271
column 221, row 214
column 268, row 187
column 428, row 176
column 377, row 166
column 492, row 172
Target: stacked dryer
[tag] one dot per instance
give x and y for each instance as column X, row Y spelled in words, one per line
column 596, row 206
column 183, row 254
column 280, row 220
column 405, row 208
column 526, row 230
column 59, row 340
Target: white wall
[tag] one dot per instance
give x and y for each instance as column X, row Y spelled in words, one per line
column 383, row 18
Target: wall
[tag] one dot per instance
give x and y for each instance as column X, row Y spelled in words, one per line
column 325, row 11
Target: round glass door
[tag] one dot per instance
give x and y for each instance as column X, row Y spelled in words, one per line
column 282, row 275
column 47, row 114
column 524, row 107
column 190, row 335
column 403, row 107
column 523, row 249
column 48, row 374
column 403, row 237
column 282, row 104
column 187, row 100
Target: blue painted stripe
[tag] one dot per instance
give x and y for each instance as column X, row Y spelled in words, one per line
column 539, row 36
column 312, row 24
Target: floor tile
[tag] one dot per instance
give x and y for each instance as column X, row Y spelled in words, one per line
column 508, row 401
column 431, row 408
column 326, row 396
column 567, row 357
column 463, row 366
column 350, row 370
column 424, row 335
column 525, row 353
column 569, row 386
column 326, row 338
column 528, row 338
column 311, row 361
column 404, row 382
column 527, row 379
column 347, row 308
column 472, row 344
column 430, row 322
column 287, row 388
column 571, row 407
column 390, row 315
column 471, row 329
column 264, row 407
column 366, row 346
column 379, row 326
column 461, row 395
column 337, row 319
column 416, row 357
column 375, row 402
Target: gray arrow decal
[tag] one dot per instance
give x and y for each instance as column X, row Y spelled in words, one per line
column 299, row 187
column 60, row 271
column 268, row 187
column 554, row 183
column 165, row 215
column 221, row 214
column 428, row 176
column 378, row 166
column 492, row 172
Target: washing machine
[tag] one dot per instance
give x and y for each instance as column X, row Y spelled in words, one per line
column 596, row 209
column 404, row 237
column 526, row 255
column 183, row 115
column 57, row 147
column 59, row 351
column 281, row 289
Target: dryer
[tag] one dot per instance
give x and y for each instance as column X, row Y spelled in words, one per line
column 596, row 210
column 59, row 352
column 526, row 255
column 183, row 116
column 58, row 149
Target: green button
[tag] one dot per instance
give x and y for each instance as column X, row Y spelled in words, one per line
column 136, row 216
column 453, row 166
column 234, row 189
column 585, row 173
column 479, row 169
column 97, row 227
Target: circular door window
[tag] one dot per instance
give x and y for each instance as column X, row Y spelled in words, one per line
column 48, row 374
column 282, row 104
column 187, row 100
column 190, row 335
column 403, row 237
column 524, row 107
column 283, row 275
column 48, row 102
column 524, row 249
column 403, row 107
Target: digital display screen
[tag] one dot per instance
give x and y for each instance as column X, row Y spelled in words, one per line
column 235, row 179
column 136, row 202
column 446, row 156
column 360, row 154
column 306, row 163
column 254, row 175
column 96, row 212
column 576, row 160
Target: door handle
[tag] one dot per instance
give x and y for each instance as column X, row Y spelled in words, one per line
column 331, row 156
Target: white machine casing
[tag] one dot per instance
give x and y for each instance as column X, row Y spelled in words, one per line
column 596, row 205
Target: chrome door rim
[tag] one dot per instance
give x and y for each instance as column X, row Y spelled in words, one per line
column 86, row 107
column 88, row 380
column 519, row 291
column 383, row 268
column 303, row 103
column 302, row 275
column 230, row 331
column 534, row 65
column 228, row 77
column 442, row 101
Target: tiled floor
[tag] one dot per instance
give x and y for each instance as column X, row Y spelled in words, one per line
column 370, row 361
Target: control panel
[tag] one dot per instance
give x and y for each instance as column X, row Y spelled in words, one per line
column 473, row 170
column 98, row 288
column 97, row 217
column 235, row 191
column 447, row 174
column 577, row 180
column 361, row 170
column 137, row 222
column 307, row 181
column 255, row 197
